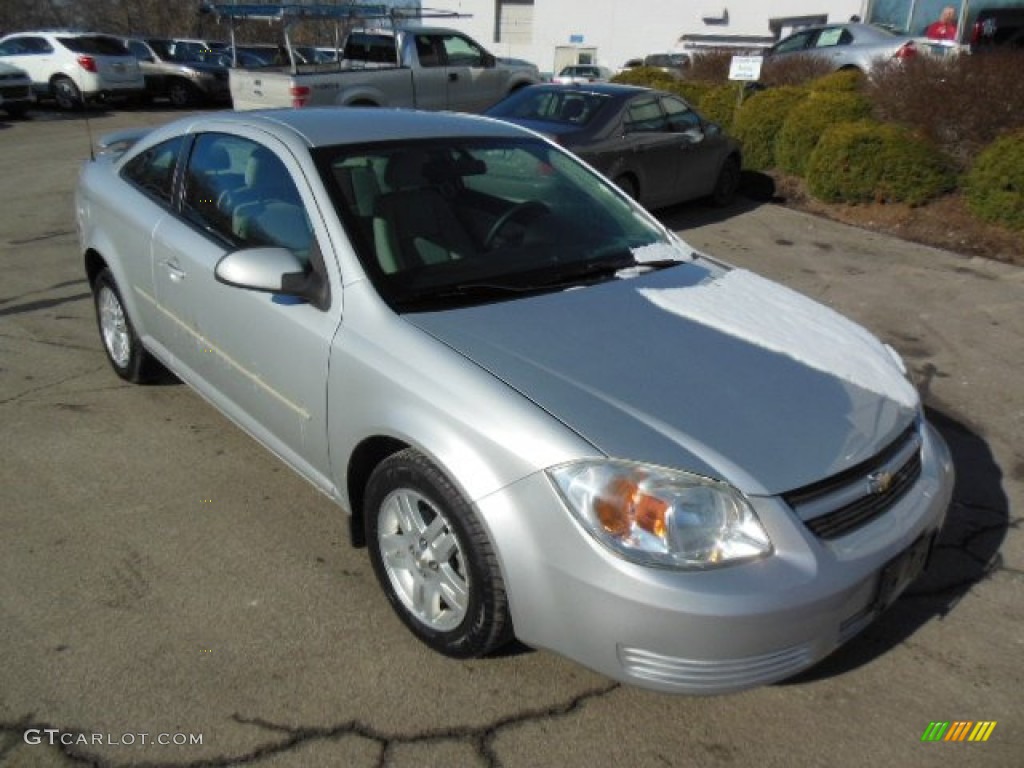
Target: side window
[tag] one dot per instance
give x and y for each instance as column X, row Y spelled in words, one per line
column 644, row 116
column 152, row 170
column 831, row 37
column 797, row 42
column 680, row 116
column 426, row 51
column 139, row 51
column 460, row 52
column 241, row 192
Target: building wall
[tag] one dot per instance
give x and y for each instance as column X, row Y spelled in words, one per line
column 622, row 29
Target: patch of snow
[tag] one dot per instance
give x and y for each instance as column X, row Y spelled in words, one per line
column 660, row 252
column 749, row 307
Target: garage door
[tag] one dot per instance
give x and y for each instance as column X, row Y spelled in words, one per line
column 515, row 22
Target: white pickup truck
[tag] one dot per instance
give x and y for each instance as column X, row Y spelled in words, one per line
column 421, row 67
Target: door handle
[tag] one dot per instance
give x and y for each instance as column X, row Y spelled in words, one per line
column 176, row 273
column 453, row 76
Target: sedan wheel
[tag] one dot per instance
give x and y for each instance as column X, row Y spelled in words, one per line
column 127, row 356
column 727, row 184
column 67, row 94
column 433, row 559
column 181, row 94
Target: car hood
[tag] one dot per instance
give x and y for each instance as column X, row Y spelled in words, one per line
column 718, row 372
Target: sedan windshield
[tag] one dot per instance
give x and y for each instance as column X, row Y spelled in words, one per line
column 455, row 222
column 551, row 105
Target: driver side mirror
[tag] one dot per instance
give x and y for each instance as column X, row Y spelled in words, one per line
column 271, row 270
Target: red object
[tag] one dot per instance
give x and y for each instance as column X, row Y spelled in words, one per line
column 941, row 30
column 88, row 63
column 906, row 51
column 300, row 95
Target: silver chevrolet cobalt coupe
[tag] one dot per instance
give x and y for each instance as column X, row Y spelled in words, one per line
column 546, row 415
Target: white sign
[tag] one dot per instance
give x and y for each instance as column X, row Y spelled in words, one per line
column 745, row 67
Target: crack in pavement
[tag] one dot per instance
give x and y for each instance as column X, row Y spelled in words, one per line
column 52, row 384
column 33, row 306
column 480, row 737
column 47, row 342
column 40, row 238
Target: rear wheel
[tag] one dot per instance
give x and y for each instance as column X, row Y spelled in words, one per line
column 182, row 93
column 727, row 184
column 433, row 559
column 127, row 356
column 67, row 94
column 627, row 185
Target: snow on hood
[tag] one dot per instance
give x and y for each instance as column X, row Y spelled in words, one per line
column 772, row 316
column 718, row 372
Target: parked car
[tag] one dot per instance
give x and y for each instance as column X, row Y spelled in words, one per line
column 15, row 90
column 575, row 74
column 998, row 29
column 844, row 46
column 183, row 82
column 653, row 144
column 191, row 49
column 74, row 68
column 546, row 414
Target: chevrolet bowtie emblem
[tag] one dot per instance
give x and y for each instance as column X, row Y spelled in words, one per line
column 879, row 482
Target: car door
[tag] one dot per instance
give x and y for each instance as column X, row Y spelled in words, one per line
column 701, row 151
column 431, row 76
column 262, row 358
column 833, row 45
column 656, row 151
column 795, row 44
column 153, row 173
column 474, row 81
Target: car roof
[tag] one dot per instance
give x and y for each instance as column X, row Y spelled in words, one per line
column 605, row 89
column 326, row 126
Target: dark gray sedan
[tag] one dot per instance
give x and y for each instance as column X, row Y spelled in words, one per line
column 653, row 144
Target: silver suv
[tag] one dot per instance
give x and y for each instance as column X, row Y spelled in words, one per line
column 180, row 78
column 74, row 68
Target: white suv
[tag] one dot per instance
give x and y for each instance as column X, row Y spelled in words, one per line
column 74, row 67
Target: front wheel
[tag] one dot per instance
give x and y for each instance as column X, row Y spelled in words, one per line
column 433, row 560
column 129, row 359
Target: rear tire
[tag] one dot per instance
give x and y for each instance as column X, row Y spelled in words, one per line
column 67, row 95
column 727, row 184
column 433, row 559
column 627, row 185
column 129, row 359
column 182, row 94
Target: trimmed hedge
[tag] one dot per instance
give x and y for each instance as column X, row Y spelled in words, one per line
column 994, row 186
column 875, row 162
column 844, row 80
column 759, row 120
column 809, row 119
column 650, row 77
column 719, row 104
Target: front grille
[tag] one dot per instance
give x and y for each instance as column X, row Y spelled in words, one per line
column 852, row 499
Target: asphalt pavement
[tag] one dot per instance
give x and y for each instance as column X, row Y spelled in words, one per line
column 171, row 594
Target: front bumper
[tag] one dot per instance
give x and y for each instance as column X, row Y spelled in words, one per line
column 713, row 631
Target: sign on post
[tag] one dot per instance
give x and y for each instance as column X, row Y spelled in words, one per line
column 745, row 68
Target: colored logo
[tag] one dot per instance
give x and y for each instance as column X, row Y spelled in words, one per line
column 879, row 482
column 959, row 730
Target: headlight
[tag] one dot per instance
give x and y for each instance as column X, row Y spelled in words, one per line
column 657, row 516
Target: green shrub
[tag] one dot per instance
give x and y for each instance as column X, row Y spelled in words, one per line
column 759, row 120
column 719, row 103
column 995, row 184
column 809, row 119
column 844, row 80
column 868, row 161
column 651, row 77
column 690, row 90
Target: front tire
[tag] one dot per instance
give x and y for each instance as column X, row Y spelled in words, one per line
column 127, row 356
column 433, row 560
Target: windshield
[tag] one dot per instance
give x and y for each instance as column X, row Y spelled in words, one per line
column 461, row 221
